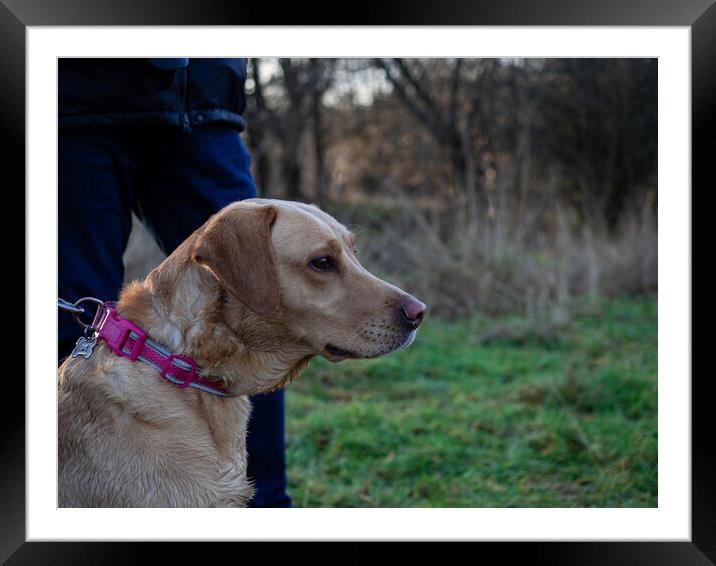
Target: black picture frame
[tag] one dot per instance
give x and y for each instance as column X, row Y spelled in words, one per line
column 16, row 15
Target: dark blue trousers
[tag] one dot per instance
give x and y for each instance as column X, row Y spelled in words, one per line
column 173, row 181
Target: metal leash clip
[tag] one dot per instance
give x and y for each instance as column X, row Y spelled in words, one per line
column 69, row 307
column 86, row 343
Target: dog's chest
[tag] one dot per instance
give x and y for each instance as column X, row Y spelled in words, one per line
column 180, row 474
column 167, row 453
column 207, row 466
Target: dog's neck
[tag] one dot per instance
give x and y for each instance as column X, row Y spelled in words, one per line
column 182, row 306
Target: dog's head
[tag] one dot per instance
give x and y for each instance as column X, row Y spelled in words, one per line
column 297, row 266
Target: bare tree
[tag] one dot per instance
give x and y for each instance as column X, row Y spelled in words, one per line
column 258, row 127
column 286, row 119
column 451, row 120
column 320, row 81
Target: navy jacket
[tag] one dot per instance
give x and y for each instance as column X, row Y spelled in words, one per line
column 178, row 92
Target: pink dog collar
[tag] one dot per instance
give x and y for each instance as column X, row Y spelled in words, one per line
column 129, row 341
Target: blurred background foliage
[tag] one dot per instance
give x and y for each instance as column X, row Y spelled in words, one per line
column 525, row 182
column 518, row 199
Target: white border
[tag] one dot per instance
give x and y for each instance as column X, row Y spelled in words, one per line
column 670, row 521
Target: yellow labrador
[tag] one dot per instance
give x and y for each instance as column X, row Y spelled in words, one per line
column 251, row 297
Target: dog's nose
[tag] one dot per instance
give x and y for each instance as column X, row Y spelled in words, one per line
column 412, row 310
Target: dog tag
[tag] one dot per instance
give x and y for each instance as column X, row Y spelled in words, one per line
column 84, row 347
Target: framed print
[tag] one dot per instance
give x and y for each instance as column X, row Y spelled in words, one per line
column 597, row 484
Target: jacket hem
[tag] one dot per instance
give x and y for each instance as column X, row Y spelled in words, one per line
column 197, row 117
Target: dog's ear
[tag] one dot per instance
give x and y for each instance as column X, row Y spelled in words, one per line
column 235, row 245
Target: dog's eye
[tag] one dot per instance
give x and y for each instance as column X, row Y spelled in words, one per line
column 323, row 263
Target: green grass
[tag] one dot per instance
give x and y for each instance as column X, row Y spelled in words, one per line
column 486, row 413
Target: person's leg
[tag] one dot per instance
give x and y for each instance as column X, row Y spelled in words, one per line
column 266, row 445
column 184, row 179
column 94, row 220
